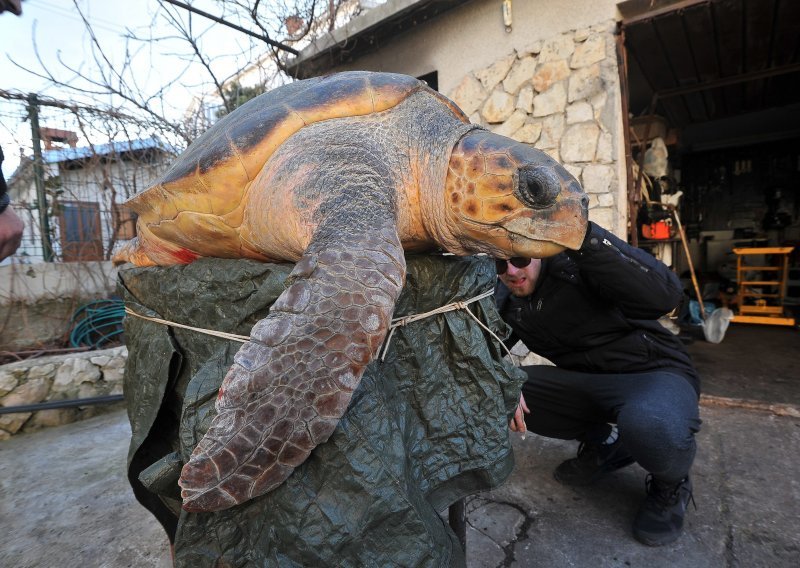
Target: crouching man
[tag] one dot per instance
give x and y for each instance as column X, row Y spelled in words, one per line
column 623, row 386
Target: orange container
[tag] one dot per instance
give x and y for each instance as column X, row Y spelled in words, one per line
column 656, row 231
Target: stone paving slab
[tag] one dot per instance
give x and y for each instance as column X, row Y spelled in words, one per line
column 64, row 501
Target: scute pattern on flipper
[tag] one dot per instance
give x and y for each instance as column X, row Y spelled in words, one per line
column 291, row 383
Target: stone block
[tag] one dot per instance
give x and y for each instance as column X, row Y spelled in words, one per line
column 597, row 178
column 579, row 142
column 496, row 72
column 520, row 74
column 499, row 107
column 552, row 131
column 88, row 390
column 52, row 417
column 8, row 382
column 585, row 83
column 46, row 371
column 469, row 94
column 525, row 99
column 605, row 200
column 113, row 374
column 603, row 216
column 590, row 51
column 574, row 170
column 549, row 73
column 100, row 360
column 580, row 111
column 552, row 101
column 512, row 123
column 533, row 48
column 29, row 392
column 598, row 102
column 560, row 47
column 529, row 133
column 605, row 148
column 608, row 115
column 12, row 423
column 74, row 371
column 121, row 351
column 116, row 362
column 582, row 35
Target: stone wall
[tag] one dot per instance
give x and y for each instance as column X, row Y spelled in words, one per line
column 562, row 96
column 59, row 377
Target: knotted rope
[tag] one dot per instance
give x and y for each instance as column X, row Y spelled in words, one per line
column 396, row 322
column 458, row 305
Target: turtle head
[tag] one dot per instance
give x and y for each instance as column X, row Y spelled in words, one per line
column 508, row 199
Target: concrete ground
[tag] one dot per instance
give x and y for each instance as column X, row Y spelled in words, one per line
column 65, row 501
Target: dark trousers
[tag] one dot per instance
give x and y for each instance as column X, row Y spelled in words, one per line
column 656, row 413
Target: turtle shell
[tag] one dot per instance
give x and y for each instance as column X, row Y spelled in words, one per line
column 212, row 175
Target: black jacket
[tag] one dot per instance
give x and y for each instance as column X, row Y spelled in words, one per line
column 595, row 310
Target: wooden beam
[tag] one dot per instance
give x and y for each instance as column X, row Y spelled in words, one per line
column 733, row 80
column 654, row 13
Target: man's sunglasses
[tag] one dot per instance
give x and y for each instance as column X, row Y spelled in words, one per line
column 502, row 265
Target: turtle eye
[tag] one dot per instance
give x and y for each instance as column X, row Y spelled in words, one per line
column 538, row 186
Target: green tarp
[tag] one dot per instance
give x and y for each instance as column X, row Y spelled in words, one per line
column 426, row 426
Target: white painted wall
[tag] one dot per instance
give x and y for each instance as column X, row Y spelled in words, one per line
column 473, row 36
column 55, row 280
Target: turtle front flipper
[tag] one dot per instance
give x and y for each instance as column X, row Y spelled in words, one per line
column 292, row 382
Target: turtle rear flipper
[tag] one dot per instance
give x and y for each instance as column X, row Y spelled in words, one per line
column 292, row 382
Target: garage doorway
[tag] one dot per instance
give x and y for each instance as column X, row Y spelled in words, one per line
column 713, row 124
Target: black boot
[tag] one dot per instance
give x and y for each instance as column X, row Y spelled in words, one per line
column 593, row 462
column 660, row 518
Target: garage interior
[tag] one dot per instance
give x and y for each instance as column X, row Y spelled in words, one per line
column 713, row 147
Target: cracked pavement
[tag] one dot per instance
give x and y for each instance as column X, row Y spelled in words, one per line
column 746, row 488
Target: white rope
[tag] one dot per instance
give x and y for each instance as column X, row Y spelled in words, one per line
column 396, row 322
column 460, row 305
column 222, row 334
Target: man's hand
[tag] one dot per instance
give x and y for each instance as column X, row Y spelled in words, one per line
column 517, row 424
column 11, row 228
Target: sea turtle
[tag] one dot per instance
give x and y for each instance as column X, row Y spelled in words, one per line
column 339, row 174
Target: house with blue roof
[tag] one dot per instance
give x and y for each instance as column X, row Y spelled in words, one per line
column 85, row 187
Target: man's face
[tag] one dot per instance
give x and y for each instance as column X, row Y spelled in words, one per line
column 522, row 281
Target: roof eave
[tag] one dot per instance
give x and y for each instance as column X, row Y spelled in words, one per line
column 365, row 34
